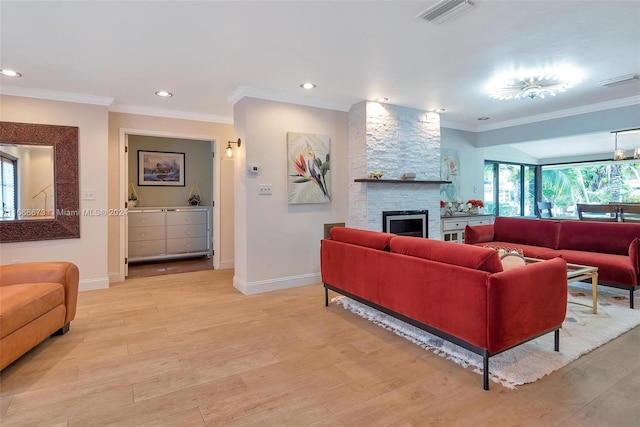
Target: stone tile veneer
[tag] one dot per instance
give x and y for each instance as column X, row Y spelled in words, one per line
column 393, row 140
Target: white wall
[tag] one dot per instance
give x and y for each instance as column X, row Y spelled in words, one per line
column 278, row 245
column 89, row 252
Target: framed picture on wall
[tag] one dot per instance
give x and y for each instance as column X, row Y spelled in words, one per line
column 308, row 168
column 160, row 168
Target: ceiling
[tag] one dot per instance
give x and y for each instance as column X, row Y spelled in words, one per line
column 208, row 52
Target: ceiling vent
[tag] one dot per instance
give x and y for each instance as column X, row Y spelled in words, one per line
column 619, row 80
column 444, row 10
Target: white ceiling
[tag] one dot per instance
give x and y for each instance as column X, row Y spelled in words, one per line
column 120, row 53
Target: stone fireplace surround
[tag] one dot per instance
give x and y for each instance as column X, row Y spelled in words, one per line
column 393, row 140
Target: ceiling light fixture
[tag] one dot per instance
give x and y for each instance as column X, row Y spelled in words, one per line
column 444, row 10
column 532, row 85
column 482, row 118
column 618, row 154
column 307, row 85
column 164, row 94
column 10, row 73
column 382, row 99
column 619, row 80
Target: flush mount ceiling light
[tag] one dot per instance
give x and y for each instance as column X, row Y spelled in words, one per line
column 164, row 94
column 382, row 99
column 537, row 84
column 10, row 73
column 628, row 78
column 444, row 10
column 307, row 85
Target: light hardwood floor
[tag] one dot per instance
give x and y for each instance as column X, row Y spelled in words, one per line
column 190, row 350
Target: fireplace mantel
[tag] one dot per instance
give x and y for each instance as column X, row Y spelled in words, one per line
column 399, row 181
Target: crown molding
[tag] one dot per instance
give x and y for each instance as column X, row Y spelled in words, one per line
column 170, row 114
column 56, row 95
column 623, row 102
column 251, row 92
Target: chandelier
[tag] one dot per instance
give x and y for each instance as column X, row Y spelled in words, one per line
column 532, row 85
column 618, row 153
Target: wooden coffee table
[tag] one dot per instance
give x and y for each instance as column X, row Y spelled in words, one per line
column 578, row 273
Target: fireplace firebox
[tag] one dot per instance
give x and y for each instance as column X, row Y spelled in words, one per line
column 406, row 223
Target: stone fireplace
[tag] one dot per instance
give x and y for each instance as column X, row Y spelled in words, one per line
column 394, row 140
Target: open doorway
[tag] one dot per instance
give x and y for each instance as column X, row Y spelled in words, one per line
column 200, row 175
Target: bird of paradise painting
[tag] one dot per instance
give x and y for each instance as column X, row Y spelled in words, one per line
column 308, row 168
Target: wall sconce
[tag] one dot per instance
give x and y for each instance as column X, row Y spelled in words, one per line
column 229, row 149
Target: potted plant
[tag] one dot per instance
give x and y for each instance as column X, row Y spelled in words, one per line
column 133, row 200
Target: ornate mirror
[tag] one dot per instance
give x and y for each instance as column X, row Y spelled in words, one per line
column 39, row 182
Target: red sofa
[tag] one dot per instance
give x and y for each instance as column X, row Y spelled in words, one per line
column 613, row 247
column 457, row 292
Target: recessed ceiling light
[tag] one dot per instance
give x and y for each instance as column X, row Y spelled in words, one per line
column 307, row 85
column 482, row 118
column 164, row 93
column 10, row 73
column 382, row 99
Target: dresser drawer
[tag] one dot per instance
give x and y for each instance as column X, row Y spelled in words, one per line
column 481, row 221
column 192, row 244
column 454, row 225
column 180, row 231
column 146, row 248
column 137, row 234
column 186, row 217
column 145, row 219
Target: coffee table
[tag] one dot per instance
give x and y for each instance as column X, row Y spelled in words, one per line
column 578, row 273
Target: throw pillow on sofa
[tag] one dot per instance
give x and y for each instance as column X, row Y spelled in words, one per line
column 512, row 260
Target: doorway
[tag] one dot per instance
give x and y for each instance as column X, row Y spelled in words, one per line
column 198, row 148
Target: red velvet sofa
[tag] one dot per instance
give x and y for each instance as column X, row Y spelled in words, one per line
column 613, row 247
column 457, row 292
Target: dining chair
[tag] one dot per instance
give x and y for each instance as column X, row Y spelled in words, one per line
column 629, row 212
column 544, row 210
column 597, row 212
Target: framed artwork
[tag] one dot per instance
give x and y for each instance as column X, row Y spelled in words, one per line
column 160, row 168
column 308, row 168
column 450, row 171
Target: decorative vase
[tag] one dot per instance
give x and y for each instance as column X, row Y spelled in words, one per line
column 133, row 203
column 473, row 211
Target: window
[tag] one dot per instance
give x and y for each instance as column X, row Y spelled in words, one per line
column 509, row 188
column 8, row 184
column 593, row 182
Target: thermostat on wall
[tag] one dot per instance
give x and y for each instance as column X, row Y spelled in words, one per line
column 254, row 169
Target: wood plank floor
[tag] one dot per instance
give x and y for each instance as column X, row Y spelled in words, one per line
column 190, row 350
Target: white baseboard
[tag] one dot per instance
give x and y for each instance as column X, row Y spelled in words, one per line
column 114, row 277
column 91, row 284
column 224, row 265
column 250, row 288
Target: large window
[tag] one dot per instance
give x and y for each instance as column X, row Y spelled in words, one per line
column 8, row 184
column 509, row 188
column 594, row 182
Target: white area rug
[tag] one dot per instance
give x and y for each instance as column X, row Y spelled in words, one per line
column 582, row 331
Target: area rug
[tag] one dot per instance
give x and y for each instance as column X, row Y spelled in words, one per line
column 582, row 331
